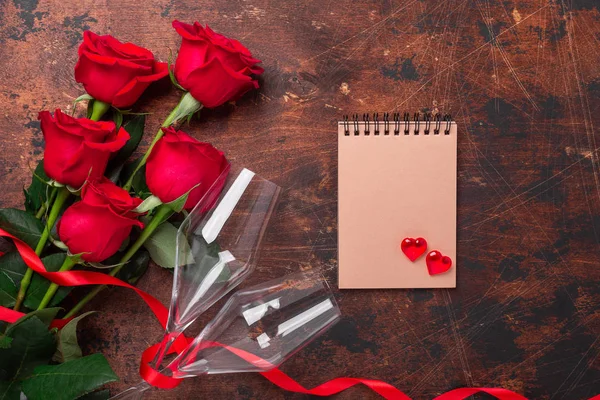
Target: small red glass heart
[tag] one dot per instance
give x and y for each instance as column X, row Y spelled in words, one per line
column 413, row 248
column 437, row 263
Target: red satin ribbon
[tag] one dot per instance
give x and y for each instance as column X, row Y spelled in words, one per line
column 276, row 376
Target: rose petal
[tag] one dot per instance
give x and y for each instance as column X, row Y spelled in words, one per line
column 178, row 163
column 214, row 84
column 111, row 146
column 84, row 164
column 114, row 75
column 88, row 43
column 134, row 89
column 93, row 131
column 60, row 146
column 126, row 50
column 229, row 57
column 104, row 192
column 96, row 231
column 174, row 136
column 192, row 55
column 190, row 32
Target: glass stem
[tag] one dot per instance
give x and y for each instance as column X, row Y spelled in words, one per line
column 165, row 345
column 61, row 197
column 163, row 212
column 135, row 392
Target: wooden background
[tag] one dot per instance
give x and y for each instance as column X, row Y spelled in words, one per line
column 521, row 78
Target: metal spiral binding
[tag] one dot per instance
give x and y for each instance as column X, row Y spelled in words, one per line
column 438, row 122
column 386, row 123
column 346, row 125
column 367, row 130
column 448, row 119
column 427, row 120
column 417, row 120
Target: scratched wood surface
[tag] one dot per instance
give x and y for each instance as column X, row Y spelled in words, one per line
column 521, row 78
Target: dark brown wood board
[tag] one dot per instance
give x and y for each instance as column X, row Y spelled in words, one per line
column 522, row 80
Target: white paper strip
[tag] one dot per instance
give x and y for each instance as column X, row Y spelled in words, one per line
column 225, row 208
column 301, row 319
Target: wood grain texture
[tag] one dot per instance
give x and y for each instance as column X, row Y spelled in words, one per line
column 522, row 79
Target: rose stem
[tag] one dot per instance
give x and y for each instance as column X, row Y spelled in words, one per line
column 69, row 263
column 187, row 105
column 162, row 214
column 42, row 209
column 61, row 197
column 158, row 135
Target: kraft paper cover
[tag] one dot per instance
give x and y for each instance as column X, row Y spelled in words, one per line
column 391, row 187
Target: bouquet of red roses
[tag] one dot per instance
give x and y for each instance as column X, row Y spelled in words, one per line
column 90, row 207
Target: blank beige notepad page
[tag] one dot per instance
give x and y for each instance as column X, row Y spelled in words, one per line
column 391, row 187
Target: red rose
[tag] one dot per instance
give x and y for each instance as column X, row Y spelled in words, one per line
column 114, row 72
column 179, row 162
column 212, row 67
column 98, row 224
column 78, row 147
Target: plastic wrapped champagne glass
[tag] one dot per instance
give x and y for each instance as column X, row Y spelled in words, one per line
column 256, row 330
column 217, row 246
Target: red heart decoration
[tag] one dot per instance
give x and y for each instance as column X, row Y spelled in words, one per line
column 413, row 248
column 437, row 263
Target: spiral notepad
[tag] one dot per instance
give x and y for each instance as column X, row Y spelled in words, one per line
column 396, row 179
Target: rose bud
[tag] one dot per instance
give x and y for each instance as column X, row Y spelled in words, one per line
column 179, row 163
column 114, row 72
column 212, row 67
column 98, row 224
column 78, row 148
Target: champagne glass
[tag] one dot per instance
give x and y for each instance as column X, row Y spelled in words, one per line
column 216, row 248
column 256, row 330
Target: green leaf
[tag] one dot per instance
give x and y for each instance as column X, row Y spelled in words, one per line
column 90, row 108
column 138, row 183
column 162, row 246
column 69, row 380
column 13, row 266
column 83, row 97
column 39, row 285
column 186, row 108
column 118, row 119
column 57, row 242
column 150, row 203
column 8, row 291
column 135, row 268
column 5, row 342
column 135, row 128
column 46, row 316
column 206, row 256
column 172, row 73
column 178, row 204
column 68, row 348
column 36, row 193
column 103, row 394
column 32, row 345
column 21, row 224
column 10, row 390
